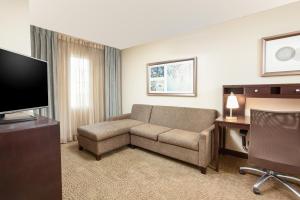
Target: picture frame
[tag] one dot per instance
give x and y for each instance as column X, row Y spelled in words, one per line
column 172, row 78
column 281, row 55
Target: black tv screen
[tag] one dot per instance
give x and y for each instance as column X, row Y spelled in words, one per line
column 23, row 82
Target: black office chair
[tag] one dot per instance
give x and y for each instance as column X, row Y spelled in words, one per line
column 274, row 148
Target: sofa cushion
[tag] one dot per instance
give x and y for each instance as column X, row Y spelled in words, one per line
column 141, row 112
column 108, row 129
column 149, row 131
column 190, row 119
column 182, row 138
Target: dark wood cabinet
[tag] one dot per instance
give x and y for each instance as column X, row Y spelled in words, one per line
column 243, row 92
column 257, row 91
column 30, row 161
column 264, row 91
column 291, row 90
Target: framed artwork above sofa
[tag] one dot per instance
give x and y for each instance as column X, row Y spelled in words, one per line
column 172, row 78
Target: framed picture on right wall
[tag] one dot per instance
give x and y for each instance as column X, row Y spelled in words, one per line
column 281, row 55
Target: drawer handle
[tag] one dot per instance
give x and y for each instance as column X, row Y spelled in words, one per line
column 256, row 90
column 297, row 90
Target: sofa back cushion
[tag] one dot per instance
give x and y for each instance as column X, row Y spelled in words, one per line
column 190, row 119
column 141, row 112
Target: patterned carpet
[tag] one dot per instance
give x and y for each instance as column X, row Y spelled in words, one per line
column 136, row 174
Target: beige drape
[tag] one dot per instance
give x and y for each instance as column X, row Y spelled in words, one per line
column 80, row 84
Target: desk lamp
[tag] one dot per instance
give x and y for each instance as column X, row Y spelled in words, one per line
column 232, row 103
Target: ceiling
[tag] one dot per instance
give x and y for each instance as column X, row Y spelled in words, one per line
column 126, row 23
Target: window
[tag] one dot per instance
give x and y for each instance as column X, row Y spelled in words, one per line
column 79, row 82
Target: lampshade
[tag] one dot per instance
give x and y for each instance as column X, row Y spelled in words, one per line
column 232, row 101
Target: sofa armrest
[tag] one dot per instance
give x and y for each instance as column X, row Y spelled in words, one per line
column 205, row 146
column 120, row 117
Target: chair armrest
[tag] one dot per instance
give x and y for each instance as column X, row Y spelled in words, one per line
column 120, row 117
column 205, row 146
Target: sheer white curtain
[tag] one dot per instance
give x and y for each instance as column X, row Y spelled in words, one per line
column 80, row 84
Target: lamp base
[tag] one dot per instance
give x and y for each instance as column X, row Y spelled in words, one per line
column 231, row 118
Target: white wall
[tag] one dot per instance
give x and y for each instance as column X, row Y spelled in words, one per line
column 228, row 53
column 15, row 26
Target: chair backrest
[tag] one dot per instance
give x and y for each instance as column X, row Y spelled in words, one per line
column 190, row 119
column 275, row 141
column 141, row 112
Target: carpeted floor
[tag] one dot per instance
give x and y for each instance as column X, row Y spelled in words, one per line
column 136, row 174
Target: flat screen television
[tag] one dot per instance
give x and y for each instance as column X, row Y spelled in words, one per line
column 23, row 83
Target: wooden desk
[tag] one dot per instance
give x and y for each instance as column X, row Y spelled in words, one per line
column 243, row 92
column 242, row 123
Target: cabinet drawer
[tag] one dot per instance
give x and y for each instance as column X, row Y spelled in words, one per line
column 290, row 90
column 257, row 91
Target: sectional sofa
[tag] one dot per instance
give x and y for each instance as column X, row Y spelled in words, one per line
column 181, row 133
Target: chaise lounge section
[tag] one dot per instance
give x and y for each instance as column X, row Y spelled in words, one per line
column 181, row 133
column 106, row 136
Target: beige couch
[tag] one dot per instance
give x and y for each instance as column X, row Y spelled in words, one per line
column 177, row 132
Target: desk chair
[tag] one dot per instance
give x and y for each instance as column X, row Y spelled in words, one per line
column 274, row 148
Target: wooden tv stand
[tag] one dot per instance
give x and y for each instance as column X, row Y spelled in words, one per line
column 30, row 160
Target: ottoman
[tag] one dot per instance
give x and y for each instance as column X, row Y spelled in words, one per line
column 106, row 136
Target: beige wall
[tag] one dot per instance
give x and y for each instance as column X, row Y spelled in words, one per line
column 15, row 26
column 228, row 53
